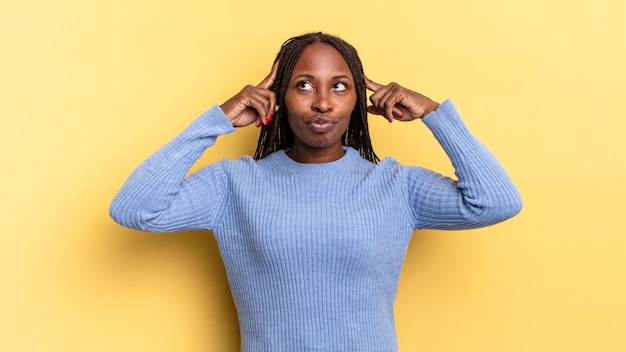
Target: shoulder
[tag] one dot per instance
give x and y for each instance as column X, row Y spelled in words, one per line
column 390, row 170
column 406, row 174
column 225, row 168
column 242, row 164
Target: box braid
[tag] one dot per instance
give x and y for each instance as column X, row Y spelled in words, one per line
column 278, row 135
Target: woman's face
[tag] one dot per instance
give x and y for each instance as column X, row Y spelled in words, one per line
column 319, row 100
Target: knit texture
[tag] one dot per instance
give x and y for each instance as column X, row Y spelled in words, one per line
column 313, row 252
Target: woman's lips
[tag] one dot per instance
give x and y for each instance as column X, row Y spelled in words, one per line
column 321, row 124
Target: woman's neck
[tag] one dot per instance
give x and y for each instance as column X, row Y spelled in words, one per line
column 313, row 155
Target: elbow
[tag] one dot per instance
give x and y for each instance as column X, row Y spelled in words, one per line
column 124, row 216
column 136, row 218
column 495, row 210
column 516, row 206
column 118, row 215
column 513, row 203
column 504, row 209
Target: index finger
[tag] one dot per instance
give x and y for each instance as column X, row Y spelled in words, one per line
column 269, row 80
column 371, row 85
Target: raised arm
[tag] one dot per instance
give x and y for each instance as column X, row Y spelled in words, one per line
column 159, row 197
column 483, row 193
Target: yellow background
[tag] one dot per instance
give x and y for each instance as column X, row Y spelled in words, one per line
column 88, row 89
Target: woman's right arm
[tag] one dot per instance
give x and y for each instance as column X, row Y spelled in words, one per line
column 159, row 197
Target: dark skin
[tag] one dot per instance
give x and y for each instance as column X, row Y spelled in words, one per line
column 396, row 102
column 319, row 102
column 319, row 99
column 253, row 103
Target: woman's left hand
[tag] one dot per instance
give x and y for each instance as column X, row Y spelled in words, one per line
column 396, row 102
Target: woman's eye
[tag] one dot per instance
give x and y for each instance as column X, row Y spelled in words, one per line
column 339, row 86
column 305, row 85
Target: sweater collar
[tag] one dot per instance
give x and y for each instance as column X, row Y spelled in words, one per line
column 281, row 162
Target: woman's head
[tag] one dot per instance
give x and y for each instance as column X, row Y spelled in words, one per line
column 279, row 135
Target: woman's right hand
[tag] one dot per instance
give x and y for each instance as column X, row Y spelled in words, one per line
column 253, row 104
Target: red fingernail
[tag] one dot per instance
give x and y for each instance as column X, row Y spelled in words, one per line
column 269, row 118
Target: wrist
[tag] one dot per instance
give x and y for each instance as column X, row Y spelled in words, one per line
column 431, row 108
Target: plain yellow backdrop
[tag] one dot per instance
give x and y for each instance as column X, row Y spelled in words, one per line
column 88, row 89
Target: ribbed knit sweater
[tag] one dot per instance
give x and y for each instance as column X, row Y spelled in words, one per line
column 313, row 252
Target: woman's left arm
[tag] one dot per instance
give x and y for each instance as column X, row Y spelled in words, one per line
column 483, row 195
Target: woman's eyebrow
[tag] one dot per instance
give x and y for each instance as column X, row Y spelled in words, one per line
column 304, row 75
column 342, row 77
column 310, row 76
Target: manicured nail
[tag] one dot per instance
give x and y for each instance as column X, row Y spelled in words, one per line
column 269, row 118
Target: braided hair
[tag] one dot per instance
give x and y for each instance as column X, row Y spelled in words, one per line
column 278, row 135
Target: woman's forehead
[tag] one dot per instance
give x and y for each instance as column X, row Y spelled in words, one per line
column 322, row 59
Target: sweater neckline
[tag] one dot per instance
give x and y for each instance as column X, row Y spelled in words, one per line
column 282, row 162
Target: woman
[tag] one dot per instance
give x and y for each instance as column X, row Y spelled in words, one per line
column 313, row 230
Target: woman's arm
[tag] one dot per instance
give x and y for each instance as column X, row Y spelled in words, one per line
column 483, row 195
column 158, row 197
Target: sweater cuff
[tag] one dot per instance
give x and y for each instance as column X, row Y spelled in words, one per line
column 446, row 122
column 215, row 120
column 445, row 112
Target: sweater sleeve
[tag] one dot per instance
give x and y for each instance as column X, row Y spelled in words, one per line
column 483, row 194
column 158, row 196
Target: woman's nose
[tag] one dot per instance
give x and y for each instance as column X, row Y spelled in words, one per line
column 322, row 102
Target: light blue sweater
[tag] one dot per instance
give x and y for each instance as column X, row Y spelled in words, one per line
column 313, row 252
